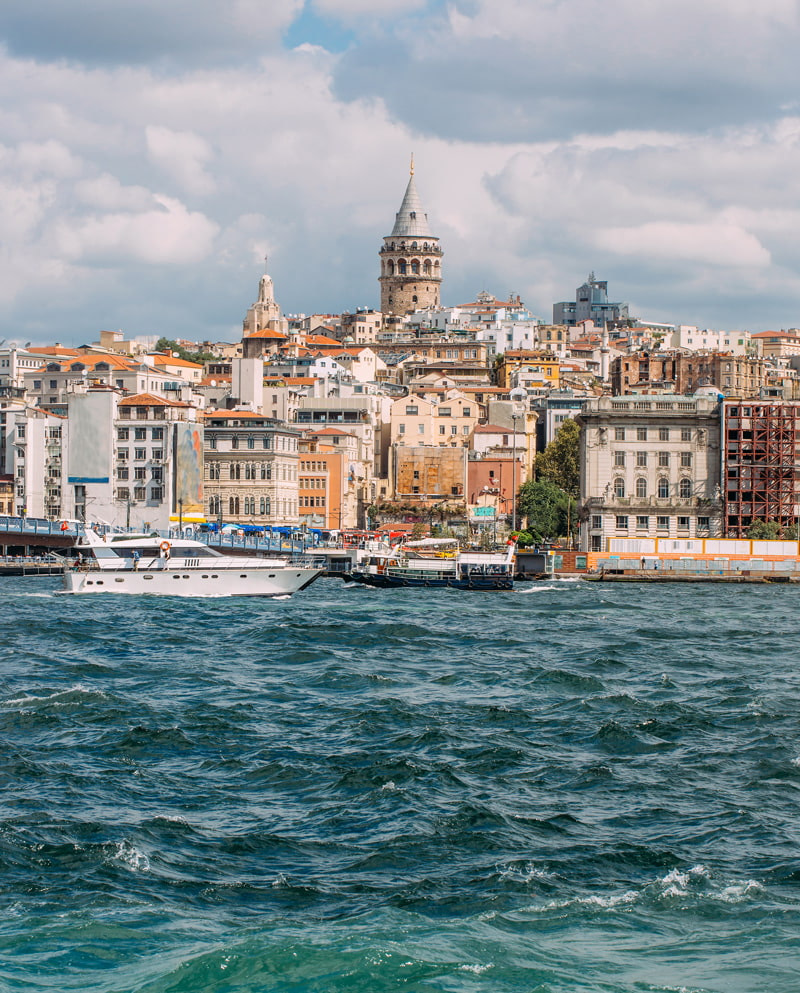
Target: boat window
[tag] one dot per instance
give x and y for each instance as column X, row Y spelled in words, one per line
column 147, row 577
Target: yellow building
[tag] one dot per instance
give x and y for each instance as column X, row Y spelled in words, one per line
column 529, row 369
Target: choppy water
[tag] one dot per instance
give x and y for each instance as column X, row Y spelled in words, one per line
column 571, row 787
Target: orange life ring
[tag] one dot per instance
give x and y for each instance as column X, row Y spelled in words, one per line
column 165, row 546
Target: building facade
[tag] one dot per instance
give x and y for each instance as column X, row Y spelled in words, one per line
column 761, row 464
column 650, row 467
column 251, row 467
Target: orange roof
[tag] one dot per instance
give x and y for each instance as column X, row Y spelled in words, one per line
column 329, row 431
column 151, row 400
column 265, row 333
column 91, row 360
column 491, row 429
column 53, row 350
column 161, row 359
column 320, row 339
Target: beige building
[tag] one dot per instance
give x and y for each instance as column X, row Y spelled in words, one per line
column 447, row 422
column 650, row 468
column 250, row 469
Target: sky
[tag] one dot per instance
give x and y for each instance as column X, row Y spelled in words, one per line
column 152, row 154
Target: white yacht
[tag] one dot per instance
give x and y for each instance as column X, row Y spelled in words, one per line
column 126, row 563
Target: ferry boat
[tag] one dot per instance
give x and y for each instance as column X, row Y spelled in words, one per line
column 437, row 562
column 125, row 563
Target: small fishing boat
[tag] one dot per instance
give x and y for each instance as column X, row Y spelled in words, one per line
column 126, row 563
column 437, row 562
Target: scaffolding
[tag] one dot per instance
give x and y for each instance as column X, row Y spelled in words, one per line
column 760, row 473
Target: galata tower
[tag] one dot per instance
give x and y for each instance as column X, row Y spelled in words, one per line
column 411, row 259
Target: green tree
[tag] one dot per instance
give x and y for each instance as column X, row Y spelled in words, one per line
column 559, row 462
column 545, row 506
column 764, row 530
column 168, row 345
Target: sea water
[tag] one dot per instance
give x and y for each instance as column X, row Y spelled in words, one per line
column 569, row 787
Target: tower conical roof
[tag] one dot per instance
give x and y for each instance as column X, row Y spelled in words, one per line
column 411, row 220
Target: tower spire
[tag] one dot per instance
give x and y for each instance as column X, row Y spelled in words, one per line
column 411, row 172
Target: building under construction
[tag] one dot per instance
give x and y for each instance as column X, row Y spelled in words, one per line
column 761, row 479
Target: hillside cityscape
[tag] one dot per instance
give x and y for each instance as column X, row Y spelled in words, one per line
column 416, row 414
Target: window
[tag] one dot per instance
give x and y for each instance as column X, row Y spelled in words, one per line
column 267, row 441
column 157, row 477
column 597, row 522
column 643, row 523
column 453, row 429
column 412, row 409
column 619, row 434
column 686, row 460
column 420, row 429
column 140, row 472
column 158, row 434
column 158, row 454
column 466, row 412
column 597, row 541
column 641, row 487
column 686, row 434
column 641, row 459
column 641, row 434
column 122, row 434
column 233, row 506
column 212, row 443
column 157, row 493
column 122, row 472
column 123, row 493
column 703, row 523
column 53, row 384
column 619, row 487
column 663, row 488
column 662, row 523
column 401, row 428
column 683, row 523
column 444, row 412
column 685, row 488
column 663, row 434
column 465, row 429
column 37, row 384
column 140, row 493
column 619, row 459
column 663, row 460
column 234, row 442
column 622, row 522
column 140, row 453
column 251, row 443
column 122, row 454
column 441, row 429
column 140, row 434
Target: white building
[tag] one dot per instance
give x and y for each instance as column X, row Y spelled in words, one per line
column 650, row 467
column 693, row 339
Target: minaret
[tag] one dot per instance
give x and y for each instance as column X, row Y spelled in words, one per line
column 411, row 259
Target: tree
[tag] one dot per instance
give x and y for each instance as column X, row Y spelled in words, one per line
column 168, row 345
column 559, row 462
column 545, row 505
column 764, row 530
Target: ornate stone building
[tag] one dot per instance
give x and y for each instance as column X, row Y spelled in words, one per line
column 411, row 259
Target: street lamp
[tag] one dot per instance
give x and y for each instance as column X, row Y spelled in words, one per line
column 518, row 394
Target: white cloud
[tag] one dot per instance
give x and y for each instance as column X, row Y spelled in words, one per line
column 715, row 243
column 182, row 155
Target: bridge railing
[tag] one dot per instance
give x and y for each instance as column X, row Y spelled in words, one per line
column 39, row 525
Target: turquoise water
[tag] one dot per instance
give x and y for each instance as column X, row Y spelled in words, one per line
column 570, row 787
